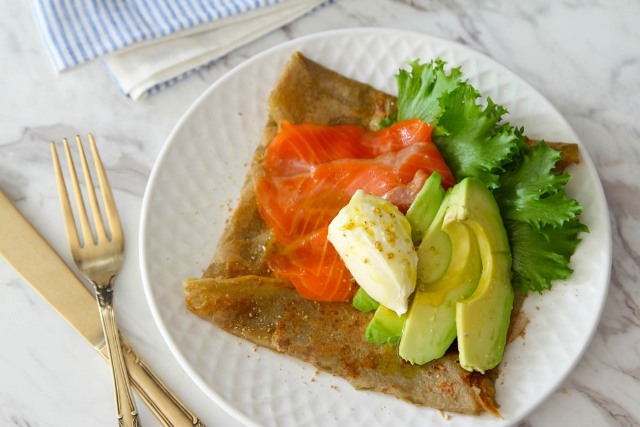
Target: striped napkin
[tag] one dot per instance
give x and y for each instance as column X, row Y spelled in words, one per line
column 150, row 44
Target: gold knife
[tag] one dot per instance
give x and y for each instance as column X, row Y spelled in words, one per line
column 38, row 264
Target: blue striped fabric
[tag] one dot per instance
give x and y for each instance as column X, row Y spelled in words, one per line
column 77, row 31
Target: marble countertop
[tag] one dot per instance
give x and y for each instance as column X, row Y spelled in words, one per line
column 584, row 56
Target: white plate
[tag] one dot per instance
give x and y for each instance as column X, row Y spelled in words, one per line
column 194, row 186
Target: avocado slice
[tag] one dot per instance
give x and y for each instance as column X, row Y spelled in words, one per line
column 434, row 252
column 425, row 206
column 363, row 302
column 482, row 319
column 385, row 327
column 430, row 327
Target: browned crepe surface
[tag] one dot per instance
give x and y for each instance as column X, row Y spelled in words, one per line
column 238, row 294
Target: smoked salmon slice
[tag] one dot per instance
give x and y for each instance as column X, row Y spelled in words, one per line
column 312, row 171
column 295, row 148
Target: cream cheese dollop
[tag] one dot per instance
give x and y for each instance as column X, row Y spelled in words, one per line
column 373, row 239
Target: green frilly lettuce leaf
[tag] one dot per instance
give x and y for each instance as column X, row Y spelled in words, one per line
column 541, row 221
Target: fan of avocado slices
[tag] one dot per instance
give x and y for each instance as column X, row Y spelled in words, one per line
column 516, row 217
column 542, row 223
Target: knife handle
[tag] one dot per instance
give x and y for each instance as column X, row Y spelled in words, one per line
column 165, row 405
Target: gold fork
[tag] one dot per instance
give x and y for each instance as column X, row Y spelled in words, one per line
column 99, row 257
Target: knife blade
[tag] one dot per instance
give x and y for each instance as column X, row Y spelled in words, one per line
column 39, row 264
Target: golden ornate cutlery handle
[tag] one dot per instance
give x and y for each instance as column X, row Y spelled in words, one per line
column 125, row 405
column 61, row 288
column 165, row 405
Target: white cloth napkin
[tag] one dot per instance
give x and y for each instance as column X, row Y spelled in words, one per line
column 150, row 44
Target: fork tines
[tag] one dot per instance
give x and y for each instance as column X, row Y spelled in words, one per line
column 113, row 220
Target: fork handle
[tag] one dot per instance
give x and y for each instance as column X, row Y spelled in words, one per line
column 161, row 400
column 125, row 405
